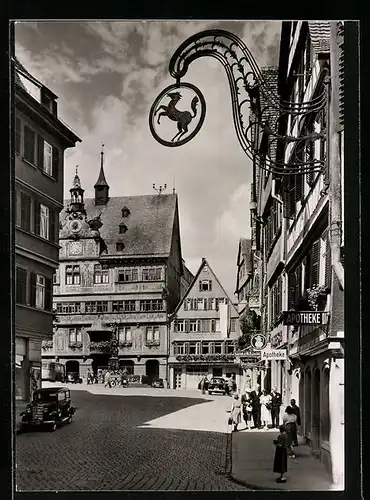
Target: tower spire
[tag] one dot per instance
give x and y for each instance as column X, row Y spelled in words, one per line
column 77, row 194
column 101, row 187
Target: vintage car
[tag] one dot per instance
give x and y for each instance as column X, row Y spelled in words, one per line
column 49, row 407
column 217, row 384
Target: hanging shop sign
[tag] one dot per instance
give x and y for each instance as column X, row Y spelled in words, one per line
column 269, row 354
column 258, row 342
column 305, row 318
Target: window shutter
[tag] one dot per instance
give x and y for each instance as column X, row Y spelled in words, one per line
column 37, row 217
column 48, row 294
column 291, row 290
column 315, row 263
column 56, row 161
column 340, row 33
column 52, row 221
column 21, row 286
column 17, row 135
column 328, row 262
column 33, row 290
column 40, row 152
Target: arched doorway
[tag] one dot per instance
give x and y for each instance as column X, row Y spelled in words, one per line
column 73, row 366
column 128, row 365
column 316, row 410
column 152, row 370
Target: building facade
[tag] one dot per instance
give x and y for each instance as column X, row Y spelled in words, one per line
column 119, row 277
column 39, row 143
column 204, row 330
column 300, row 219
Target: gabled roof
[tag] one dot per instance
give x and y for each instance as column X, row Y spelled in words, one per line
column 150, row 223
column 320, row 36
column 203, row 263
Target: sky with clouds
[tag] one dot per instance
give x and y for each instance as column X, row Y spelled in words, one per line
column 107, row 75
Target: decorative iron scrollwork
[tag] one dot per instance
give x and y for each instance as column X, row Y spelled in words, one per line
column 248, row 88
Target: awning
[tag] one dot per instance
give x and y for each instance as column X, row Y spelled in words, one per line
column 320, row 36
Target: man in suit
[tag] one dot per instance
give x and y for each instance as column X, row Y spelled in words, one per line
column 256, row 406
column 275, row 407
column 296, row 410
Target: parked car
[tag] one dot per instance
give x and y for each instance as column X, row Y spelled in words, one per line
column 158, row 383
column 74, row 378
column 49, row 407
column 217, row 384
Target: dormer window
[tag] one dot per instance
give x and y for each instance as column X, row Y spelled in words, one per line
column 122, row 228
column 125, row 212
column 48, row 101
column 120, row 246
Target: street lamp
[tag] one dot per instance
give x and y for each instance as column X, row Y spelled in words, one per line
column 249, row 90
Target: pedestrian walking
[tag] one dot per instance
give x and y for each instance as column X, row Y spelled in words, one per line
column 256, row 406
column 233, row 383
column 236, row 410
column 275, row 407
column 247, row 408
column 281, row 454
column 107, row 379
column 89, row 377
column 297, row 411
column 290, row 424
column 265, row 401
column 227, row 386
column 202, row 385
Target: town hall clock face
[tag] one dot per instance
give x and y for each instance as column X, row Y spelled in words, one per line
column 75, row 247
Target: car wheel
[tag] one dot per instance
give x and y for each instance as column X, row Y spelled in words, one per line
column 53, row 426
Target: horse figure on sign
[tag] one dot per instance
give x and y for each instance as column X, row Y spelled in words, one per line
column 183, row 118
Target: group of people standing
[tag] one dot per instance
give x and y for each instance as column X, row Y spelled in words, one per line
column 261, row 406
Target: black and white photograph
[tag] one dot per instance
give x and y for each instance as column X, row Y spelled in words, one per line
column 179, row 255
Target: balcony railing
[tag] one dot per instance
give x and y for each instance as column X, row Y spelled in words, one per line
column 152, row 343
column 102, row 346
column 76, row 346
column 125, row 343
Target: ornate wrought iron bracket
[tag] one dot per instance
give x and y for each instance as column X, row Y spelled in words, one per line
column 257, row 108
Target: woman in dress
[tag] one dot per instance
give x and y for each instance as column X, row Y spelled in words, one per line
column 281, row 455
column 236, row 410
column 265, row 400
column 247, row 408
column 290, row 424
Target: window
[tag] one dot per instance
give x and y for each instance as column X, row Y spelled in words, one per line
column 276, row 298
column 21, row 286
column 117, row 306
column 152, row 334
column 122, row 228
column 192, row 348
column 178, row 349
column 229, row 347
column 205, row 348
column 129, row 274
column 124, row 334
column 194, row 325
column 73, row 275
column 75, row 335
column 40, row 291
column 96, row 306
column 205, row 325
column 24, row 211
column 129, row 305
column 18, row 135
column 151, row 305
column 179, row 325
column 29, row 144
column 68, row 307
column 48, row 158
column 233, row 325
column 44, row 222
column 120, row 246
column 205, row 285
column 273, row 224
column 152, row 274
column 101, row 274
column 217, row 347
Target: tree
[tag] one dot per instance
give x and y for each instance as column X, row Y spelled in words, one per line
column 249, row 323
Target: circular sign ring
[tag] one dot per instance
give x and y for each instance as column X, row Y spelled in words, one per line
column 154, row 109
column 258, row 341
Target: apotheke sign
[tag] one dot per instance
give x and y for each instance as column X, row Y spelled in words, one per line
column 304, row 318
column 267, row 354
